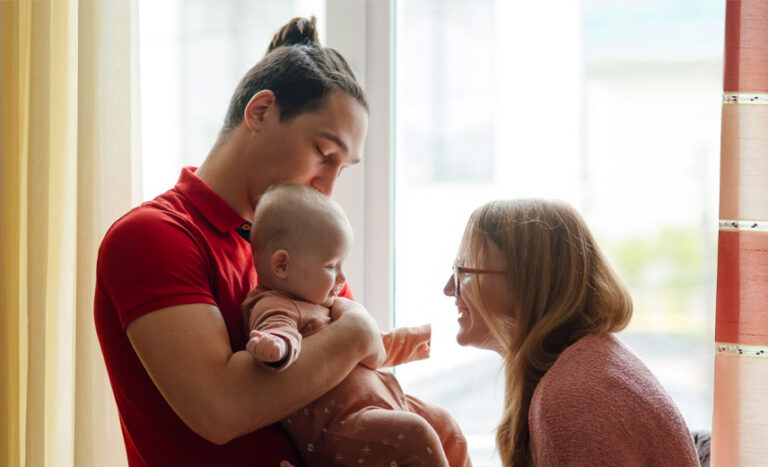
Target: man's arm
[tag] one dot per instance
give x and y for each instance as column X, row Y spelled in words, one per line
column 222, row 395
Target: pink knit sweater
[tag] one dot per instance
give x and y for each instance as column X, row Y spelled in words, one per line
column 599, row 405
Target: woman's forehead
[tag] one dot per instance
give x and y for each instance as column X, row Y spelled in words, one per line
column 480, row 250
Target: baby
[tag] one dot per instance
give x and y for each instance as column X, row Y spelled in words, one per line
column 300, row 239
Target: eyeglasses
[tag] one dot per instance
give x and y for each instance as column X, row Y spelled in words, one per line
column 464, row 270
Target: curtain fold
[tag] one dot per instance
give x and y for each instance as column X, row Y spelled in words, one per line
column 740, row 413
column 70, row 166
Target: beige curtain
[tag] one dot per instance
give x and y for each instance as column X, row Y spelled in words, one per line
column 69, row 168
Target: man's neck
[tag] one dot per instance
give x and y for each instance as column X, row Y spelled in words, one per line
column 223, row 174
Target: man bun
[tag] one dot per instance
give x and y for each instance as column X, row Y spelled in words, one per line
column 300, row 73
column 298, row 31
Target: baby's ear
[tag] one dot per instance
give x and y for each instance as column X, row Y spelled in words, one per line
column 279, row 263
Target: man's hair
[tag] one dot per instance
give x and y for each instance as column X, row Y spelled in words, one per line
column 290, row 215
column 299, row 71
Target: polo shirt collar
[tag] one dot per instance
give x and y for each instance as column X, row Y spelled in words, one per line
column 211, row 206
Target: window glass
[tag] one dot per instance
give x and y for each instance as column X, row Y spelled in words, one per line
column 613, row 106
column 193, row 54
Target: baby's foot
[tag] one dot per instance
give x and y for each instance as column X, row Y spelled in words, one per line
column 266, row 347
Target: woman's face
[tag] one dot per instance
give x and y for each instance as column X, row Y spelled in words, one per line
column 497, row 298
column 314, row 147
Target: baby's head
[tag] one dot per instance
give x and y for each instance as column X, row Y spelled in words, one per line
column 300, row 239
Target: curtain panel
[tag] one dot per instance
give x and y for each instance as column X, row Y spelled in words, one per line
column 740, row 413
column 70, row 166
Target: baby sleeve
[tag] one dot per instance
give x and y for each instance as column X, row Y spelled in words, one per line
column 278, row 316
column 407, row 344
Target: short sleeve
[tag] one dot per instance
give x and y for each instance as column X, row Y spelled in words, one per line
column 150, row 260
column 346, row 292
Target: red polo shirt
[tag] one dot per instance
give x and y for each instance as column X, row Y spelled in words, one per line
column 185, row 246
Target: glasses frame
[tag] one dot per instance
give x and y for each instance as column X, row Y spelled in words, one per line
column 465, row 270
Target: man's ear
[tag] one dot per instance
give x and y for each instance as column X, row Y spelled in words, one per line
column 260, row 104
column 279, row 262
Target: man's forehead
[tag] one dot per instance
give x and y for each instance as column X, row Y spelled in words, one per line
column 334, row 138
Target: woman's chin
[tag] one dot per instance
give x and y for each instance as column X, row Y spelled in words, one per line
column 484, row 343
column 465, row 340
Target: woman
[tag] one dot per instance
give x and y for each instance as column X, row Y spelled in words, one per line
column 531, row 284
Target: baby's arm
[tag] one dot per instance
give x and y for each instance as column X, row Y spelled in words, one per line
column 405, row 345
column 266, row 347
column 274, row 338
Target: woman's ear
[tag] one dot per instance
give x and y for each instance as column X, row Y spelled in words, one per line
column 279, row 262
column 257, row 108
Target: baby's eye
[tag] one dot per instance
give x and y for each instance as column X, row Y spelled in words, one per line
column 330, row 266
column 320, row 151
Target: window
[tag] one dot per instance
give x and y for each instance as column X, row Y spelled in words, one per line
column 193, row 54
column 611, row 106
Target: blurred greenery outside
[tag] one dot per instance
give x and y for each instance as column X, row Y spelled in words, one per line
column 669, row 280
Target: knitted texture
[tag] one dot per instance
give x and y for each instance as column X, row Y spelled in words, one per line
column 599, row 405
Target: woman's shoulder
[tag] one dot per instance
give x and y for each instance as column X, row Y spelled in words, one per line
column 598, row 389
column 596, row 364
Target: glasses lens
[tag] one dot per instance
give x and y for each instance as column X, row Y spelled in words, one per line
column 456, row 282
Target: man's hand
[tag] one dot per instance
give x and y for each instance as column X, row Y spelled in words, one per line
column 363, row 332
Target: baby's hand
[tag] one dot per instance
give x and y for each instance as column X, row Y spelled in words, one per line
column 266, row 347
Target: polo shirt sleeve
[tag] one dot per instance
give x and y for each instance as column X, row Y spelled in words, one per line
column 346, row 292
column 151, row 260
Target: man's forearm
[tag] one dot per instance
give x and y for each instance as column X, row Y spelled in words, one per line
column 253, row 397
column 220, row 395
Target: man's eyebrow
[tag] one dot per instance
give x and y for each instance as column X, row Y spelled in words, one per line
column 336, row 140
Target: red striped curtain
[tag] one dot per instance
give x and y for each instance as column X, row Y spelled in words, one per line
column 740, row 417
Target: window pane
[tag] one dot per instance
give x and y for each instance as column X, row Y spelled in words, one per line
column 193, row 54
column 613, row 106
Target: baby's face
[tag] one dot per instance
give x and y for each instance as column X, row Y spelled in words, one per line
column 316, row 275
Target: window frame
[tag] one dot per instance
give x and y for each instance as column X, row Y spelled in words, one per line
column 364, row 34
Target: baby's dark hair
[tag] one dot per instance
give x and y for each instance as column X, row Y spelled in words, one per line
column 299, row 71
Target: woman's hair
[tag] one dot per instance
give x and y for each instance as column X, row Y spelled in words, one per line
column 563, row 289
column 299, row 71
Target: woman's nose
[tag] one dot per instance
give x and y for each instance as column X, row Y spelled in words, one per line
column 449, row 288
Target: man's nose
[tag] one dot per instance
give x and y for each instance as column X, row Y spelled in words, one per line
column 326, row 180
column 324, row 184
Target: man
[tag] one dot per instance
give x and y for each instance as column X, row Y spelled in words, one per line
column 172, row 273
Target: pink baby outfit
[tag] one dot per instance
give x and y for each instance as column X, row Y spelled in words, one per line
column 599, row 405
column 366, row 420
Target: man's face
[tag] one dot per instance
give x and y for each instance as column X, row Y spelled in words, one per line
column 314, row 147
